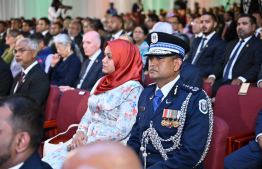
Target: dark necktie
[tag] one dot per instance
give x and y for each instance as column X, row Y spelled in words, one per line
column 83, row 74
column 229, row 64
column 201, row 48
column 157, row 99
column 20, row 80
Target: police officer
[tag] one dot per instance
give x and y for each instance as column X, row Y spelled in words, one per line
column 174, row 123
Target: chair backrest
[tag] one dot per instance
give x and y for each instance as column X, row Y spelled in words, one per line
column 73, row 105
column 52, row 103
column 148, row 80
column 216, row 153
column 239, row 111
column 208, row 88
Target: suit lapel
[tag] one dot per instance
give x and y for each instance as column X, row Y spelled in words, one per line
column 167, row 102
column 97, row 61
column 246, row 47
column 209, row 43
column 26, row 77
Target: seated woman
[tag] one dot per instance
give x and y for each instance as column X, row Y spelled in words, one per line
column 65, row 65
column 140, row 34
column 10, row 40
column 112, row 105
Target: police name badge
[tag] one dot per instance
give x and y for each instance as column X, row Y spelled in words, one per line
column 154, row 38
column 203, row 106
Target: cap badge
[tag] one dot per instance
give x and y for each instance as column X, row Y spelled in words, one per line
column 154, row 38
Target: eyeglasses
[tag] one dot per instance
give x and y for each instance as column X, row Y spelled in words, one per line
column 194, row 23
column 173, row 23
column 140, row 32
column 21, row 51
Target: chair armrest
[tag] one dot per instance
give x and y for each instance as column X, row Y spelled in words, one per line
column 239, row 143
column 51, row 124
column 232, row 138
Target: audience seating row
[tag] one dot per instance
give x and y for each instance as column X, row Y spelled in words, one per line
column 234, row 118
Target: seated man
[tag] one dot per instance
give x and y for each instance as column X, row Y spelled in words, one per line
column 259, row 83
column 6, row 78
column 102, row 154
column 91, row 70
column 43, row 50
column 207, row 50
column 32, row 81
column 174, row 125
column 242, row 58
column 249, row 156
column 21, row 130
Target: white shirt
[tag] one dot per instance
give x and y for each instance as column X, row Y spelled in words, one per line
column 257, row 31
column 1, row 34
column 26, row 72
column 129, row 33
column 116, row 36
column 17, row 166
column 92, row 60
column 205, row 42
column 167, row 87
column 45, row 32
column 53, row 14
column 199, row 35
column 234, row 61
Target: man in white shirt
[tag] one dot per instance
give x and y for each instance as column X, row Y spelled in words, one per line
column 91, row 70
column 196, row 29
column 228, row 31
column 21, row 131
column 115, row 27
column 208, row 50
column 258, row 16
column 242, row 58
column 43, row 27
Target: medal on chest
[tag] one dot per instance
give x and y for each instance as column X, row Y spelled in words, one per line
column 170, row 114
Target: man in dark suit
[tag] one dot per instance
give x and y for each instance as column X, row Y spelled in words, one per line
column 228, row 32
column 6, row 78
column 130, row 26
column 170, row 112
column 242, row 58
column 258, row 16
column 207, row 51
column 21, row 126
column 115, row 27
column 3, row 27
column 32, row 81
column 249, row 156
column 259, row 82
column 91, row 70
column 74, row 31
column 196, row 29
column 43, row 26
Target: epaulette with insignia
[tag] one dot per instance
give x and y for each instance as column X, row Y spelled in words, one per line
column 190, row 88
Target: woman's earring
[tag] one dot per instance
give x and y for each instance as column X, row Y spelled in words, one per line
column 69, row 50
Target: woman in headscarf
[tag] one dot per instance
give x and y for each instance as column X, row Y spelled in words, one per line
column 112, row 105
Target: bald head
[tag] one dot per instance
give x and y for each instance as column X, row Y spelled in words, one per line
column 102, row 155
column 91, row 43
column 126, row 37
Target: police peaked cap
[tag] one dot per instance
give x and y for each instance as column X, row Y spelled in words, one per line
column 163, row 44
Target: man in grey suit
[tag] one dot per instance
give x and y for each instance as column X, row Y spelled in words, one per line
column 91, row 70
